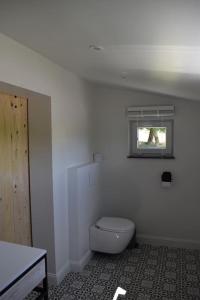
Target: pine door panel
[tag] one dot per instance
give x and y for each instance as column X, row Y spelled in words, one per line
column 15, row 222
column 6, row 206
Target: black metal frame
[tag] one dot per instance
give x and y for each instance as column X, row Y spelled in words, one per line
column 42, row 290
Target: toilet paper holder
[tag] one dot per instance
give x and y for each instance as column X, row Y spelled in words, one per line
column 166, row 179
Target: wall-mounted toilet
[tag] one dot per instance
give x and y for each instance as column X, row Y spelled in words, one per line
column 111, row 235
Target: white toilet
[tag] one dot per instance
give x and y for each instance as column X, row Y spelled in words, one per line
column 111, row 235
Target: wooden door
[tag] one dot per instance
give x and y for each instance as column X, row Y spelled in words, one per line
column 15, row 221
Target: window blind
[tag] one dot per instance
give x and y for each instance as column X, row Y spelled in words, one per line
column 155, row 112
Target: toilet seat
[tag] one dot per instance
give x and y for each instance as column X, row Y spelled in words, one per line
column 115, row 224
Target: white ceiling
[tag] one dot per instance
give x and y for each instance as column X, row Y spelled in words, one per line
column 155, row 42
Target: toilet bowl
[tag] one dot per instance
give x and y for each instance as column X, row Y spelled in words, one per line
column 111, row 235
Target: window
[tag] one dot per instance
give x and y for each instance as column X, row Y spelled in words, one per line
column 150, row 136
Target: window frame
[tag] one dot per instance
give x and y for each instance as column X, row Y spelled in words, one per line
column 134, row 152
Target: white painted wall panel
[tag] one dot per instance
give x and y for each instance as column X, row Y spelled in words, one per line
column 84, row 209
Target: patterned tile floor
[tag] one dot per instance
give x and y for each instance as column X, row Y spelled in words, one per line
column 146, row 272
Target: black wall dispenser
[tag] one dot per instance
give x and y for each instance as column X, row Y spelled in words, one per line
column 166, row 179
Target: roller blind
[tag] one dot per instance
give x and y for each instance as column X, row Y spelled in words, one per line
column 147, row 112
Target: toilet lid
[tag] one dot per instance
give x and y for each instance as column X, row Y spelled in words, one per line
column 115, row 224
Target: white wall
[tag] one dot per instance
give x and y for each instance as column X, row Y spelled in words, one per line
column 70, row 124
column 131, row 187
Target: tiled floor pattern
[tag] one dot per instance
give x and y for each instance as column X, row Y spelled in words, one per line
column 146, row 273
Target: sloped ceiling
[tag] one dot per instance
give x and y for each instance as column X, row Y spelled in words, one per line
column 147, row 44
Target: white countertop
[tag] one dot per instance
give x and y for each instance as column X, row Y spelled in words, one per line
column 14, row 260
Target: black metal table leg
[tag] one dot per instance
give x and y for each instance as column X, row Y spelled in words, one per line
column 45, row 281
column 43, row 291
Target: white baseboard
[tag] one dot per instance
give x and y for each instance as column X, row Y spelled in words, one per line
column 77, row 266
column 166, row 241
column 55, row 279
